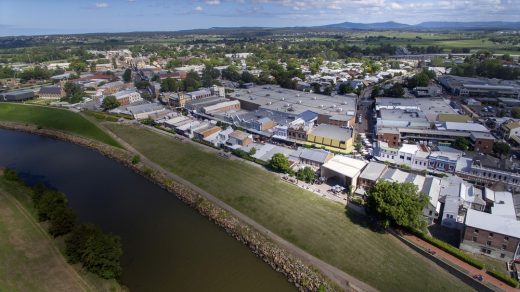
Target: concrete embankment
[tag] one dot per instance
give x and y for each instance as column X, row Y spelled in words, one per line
column 302, row 275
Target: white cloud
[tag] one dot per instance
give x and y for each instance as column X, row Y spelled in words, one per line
column 199, row 8
column 212, row 2
column 102, row 5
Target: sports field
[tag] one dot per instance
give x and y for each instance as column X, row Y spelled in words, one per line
column 319, row 226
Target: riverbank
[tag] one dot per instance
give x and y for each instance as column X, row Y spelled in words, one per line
column 30, row 259
column 296, row 271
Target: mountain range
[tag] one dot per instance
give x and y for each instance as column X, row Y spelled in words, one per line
column 430, row 25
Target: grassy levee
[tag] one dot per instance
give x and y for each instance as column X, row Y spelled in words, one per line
column 30, row 260
column 54, row 118
column 317, row 225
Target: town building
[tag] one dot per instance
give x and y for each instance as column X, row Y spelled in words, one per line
column 332, row 136
column 343, row 170
column 220, row 107
column 20, row 95
column 128, row 96
column 314, row 158
column 239, row 138
column 495, row 233
column 51, row 92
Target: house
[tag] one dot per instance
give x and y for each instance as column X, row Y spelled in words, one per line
column 143, row 111
column 127, row 97
column 482, row 142
column 206, row 132
column 239, row 138
column 344, row 170
column 113, row 87
column 456, row 197
column 510, row 129
column 262, row 124
column 51, row 92
column 314, row 157
column 369, row 176
column 414, row 156
column 495, row 233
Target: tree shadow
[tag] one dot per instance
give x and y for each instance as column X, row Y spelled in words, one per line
column 451, row 236
column 363, row 220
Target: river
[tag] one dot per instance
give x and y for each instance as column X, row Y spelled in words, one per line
column 167, row 245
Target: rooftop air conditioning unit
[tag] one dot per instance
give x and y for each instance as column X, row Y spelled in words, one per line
column 314, row 98
column 339, row 109
column 283, row 98
column 299, row 101
column 345, row 102
column 322, row 106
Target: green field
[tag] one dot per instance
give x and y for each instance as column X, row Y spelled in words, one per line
column 317, row 225
column 29, row 259
column 54, row 118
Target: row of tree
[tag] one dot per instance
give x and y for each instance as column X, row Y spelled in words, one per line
column 98, row 252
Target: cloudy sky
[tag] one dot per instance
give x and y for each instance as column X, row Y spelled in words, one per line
column 27, row 17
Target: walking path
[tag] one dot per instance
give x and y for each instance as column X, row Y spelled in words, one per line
column 343, row 279
column 450, row 258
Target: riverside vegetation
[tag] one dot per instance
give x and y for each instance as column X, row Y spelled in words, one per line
column 305, row 277
column 98, row 252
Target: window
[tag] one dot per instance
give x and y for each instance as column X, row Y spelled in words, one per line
column 491, row 234
column 504, row 246
column 474, row 238
column 488, row 243
column 506, row 237
column 476, row 230
column 502, row 255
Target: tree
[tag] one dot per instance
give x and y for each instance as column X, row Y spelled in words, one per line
column 231, row 73
column 247, row 77
column 169, row 85
column 396, row 90
column 127, row 76
column 48, row 202
column 76, row 240
column 73, row 92
column 393, row 203
column 209, row 74
column 78, row 66
column 345, row 88
column 192, row 81
column 461, row 144
column 252, row 151
column 375, row 91
column 515, row 112
column 280, row 163
column 501, row 148
column 306, row 174
column 102, row 255
column 62, row 221
column 110, row 102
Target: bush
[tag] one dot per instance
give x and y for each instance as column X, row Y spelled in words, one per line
column 504, row 278
column 62, row 221
column 136, row 159
column 10, row 174
column 449, row 249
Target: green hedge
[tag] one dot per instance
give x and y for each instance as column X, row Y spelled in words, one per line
column 504, row 278
column 449, row 249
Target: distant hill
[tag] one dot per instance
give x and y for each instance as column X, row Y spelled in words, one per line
column 430, row 25
column 369, row 26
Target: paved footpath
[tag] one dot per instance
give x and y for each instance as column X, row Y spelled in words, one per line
column 448, row 257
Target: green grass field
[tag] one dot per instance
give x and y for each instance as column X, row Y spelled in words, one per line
column 317, row 225
column 29, row 259
column 54, row 118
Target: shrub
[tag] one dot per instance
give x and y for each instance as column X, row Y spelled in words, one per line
column 10, row 174
column 136, row 159
column 449, row 249
column 504, row 278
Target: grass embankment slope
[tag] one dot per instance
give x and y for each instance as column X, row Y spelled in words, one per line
column 54, row 118
column 30, row 260
column 317, row 225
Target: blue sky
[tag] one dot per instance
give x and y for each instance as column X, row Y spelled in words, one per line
column 27, row 17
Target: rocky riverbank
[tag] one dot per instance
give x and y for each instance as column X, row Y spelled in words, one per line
column 304, row 277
